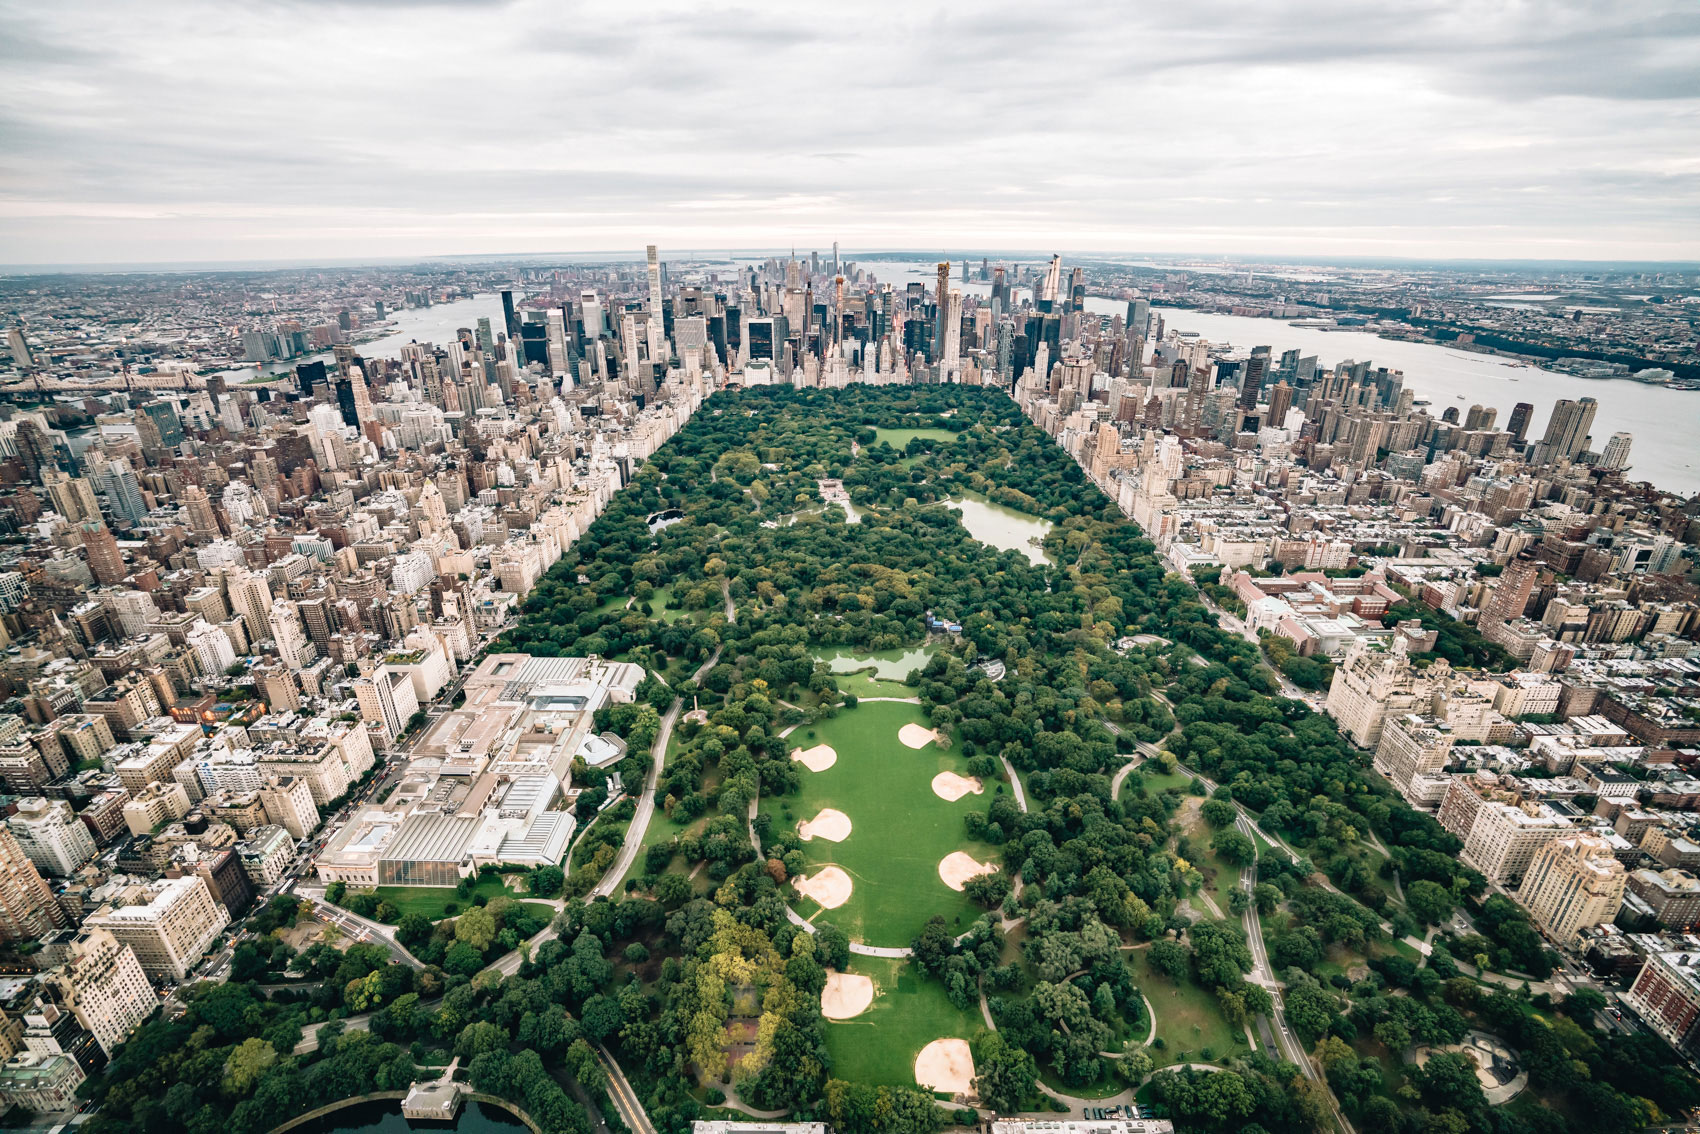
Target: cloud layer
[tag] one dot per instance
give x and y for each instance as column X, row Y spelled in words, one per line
column 183, row 130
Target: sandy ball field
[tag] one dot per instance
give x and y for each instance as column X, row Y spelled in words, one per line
column 830, row 888
column 831, row 825
column 951, row 787
column 957, row 868
column 946, row 1065
column 915, row 736
column 845, row 995
column 816, row 759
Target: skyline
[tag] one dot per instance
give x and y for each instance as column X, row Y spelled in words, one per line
column 382, row 131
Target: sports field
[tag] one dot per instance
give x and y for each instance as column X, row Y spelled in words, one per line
column 900, row 830
column 909, row 1012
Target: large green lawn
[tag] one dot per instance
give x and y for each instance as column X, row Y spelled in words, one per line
column 900, row 830
column 899, row 438
column 658, row 601
column 1188, row 1018
column 907, row 1014
column 433, row 901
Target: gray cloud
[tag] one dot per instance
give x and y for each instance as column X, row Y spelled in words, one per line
column 189, row 129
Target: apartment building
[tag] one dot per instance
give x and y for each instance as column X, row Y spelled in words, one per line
column 288, row 801
column 104, row 986
column 52, row 836
column 156, row 805
column 1673, row 895
column 1370, row 685
column 1666, row 996
column 28, row 910
column 1500, row 829
column 170, row 924
column 1412, row 752
column 1572, row 883
column 265, row 855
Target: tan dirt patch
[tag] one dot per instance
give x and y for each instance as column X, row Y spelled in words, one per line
column 956, row 868
column 951, row 787
column 915, row 736
column 845, row 995
column 946, row 1065
column 816, row 759
column 831, row 825
column 830, row 888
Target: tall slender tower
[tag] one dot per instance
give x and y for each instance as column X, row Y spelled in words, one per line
column 657, row 326
column 1053, row 281
column 944, row 302
column 654, row 283
column 952, row 360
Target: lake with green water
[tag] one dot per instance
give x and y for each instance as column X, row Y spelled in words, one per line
column 887, row 665
column 998, row 526
column 386, row 1118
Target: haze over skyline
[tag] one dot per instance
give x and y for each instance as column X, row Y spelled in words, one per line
column 297, row 130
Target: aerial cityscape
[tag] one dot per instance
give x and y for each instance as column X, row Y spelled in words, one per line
column 698, row 654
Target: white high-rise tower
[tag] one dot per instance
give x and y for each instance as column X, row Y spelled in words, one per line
column 1616, row 455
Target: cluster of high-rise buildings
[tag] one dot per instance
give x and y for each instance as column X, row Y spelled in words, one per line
column 224, row 604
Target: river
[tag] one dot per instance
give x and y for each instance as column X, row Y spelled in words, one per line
column 435, row 324
column 1662, row 421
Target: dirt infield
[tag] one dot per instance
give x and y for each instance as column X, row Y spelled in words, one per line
column 915, row 736
column 830, row 888
column 946, row 1065
column 816, row 759
column 845, row 995
column 957, row 868
column 830, row 824
column 952, row 787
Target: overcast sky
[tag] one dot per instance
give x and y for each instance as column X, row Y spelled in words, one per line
column 175, row 130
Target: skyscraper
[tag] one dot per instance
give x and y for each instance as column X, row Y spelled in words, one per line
column 1567, row 430
column 105, row 562
column 1280, row 401
column 508, row 313
column 1508, row 599
column 123, row 494
column 202, row 521
column 1251, row 386
column 1138, row 315
column 943, row 304
column 952, row 358
column 18, row 348
column 654, row 283
column 1519, row 423
column 28, row 909
column 1053, row 281
column 1616, row 455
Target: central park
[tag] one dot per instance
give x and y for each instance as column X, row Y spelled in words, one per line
column 971, row 808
